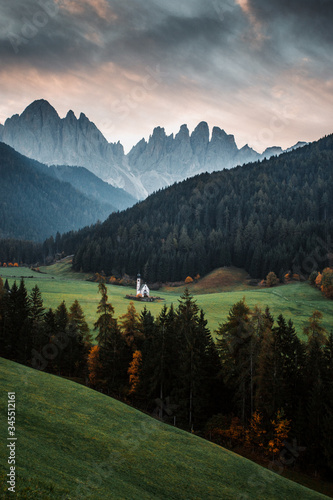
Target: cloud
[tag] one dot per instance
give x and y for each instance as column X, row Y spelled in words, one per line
column 235, row 62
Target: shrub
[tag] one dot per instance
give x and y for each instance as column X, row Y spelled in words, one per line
column 327, row 283
column 272, row 279
column 312, row 278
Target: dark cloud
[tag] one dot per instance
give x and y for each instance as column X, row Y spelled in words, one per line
column 218, row 54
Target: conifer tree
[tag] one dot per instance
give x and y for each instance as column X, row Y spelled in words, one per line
column 131, row 328
column 114, row 355
column 105, row 319
column 235, row 345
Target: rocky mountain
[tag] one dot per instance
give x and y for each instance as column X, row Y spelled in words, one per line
column 41, row 134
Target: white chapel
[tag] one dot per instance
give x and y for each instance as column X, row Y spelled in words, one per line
column 141, row 289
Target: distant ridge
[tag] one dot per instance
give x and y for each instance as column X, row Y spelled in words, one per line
column 265, row 216
column 41, row 134
column 34, row 205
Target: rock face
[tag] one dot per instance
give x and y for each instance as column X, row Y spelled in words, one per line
column 41, row 134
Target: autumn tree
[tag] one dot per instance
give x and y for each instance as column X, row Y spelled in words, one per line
column 272, row 279
column 256, row 432
column 327, row 283
column 134, row 372
column 318, row 280
column 94, row 367
column 281, row 430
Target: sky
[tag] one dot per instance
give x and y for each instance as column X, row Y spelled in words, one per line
column 261, row 70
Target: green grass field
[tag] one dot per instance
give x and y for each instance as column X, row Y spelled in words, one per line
column 215, row 294
column 73, row 442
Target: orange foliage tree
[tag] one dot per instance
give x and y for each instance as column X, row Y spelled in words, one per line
column 318, row 280
column 255, row 434
column 189, row 279
column 134, row 372
column 281, row 427
column 327, row 283
column 94, row 366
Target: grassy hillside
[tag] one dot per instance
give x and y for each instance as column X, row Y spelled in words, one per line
column 77, row 443
column 296, row 301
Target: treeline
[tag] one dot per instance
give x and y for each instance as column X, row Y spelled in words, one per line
column 257, row 386
column 58, row 341
column 270, row 216
column 275, row 215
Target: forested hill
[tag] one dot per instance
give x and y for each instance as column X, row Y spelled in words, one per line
column 89, row 184
column 35, row 205
column 262, row 216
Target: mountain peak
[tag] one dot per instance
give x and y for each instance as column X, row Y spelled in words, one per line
column 39, row 107
column 70, row 115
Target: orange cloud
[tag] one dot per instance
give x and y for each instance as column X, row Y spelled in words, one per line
column 101, row 7
column 257, row 25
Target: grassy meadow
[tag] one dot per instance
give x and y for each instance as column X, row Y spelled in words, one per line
column 73, row 442
column 215, row 294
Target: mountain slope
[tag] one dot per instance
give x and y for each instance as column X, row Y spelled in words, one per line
column 41, row 134
column 34, row 205
column 89, row 184
column 77, row 442
column 268, row 216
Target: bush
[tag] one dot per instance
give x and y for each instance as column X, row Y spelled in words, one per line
column 272, row 279
column 312, row 278
column 327, row 283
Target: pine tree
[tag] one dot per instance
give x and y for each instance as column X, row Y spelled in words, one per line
column 80, row 340
column 114, row 355
column 131, row 328
column 105, row 318
column 37, row 312
column 235, row 346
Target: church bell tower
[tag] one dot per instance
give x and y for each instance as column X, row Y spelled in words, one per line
column 138, row 284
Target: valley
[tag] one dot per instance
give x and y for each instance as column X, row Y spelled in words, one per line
column 215, row 294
